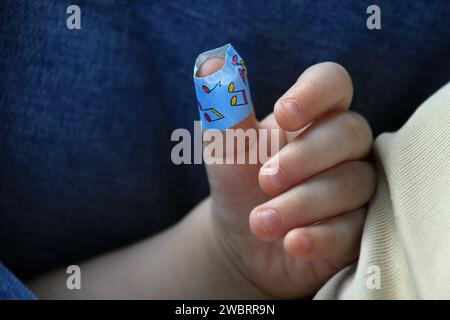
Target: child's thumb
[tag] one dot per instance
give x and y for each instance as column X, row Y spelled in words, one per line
column 231, row 156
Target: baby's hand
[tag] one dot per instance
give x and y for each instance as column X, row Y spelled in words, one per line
column 310, row 213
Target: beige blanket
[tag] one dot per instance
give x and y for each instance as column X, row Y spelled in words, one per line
column 405, row 250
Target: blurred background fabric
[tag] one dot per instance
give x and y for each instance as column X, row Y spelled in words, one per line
column 86, row 115
column 11, row 288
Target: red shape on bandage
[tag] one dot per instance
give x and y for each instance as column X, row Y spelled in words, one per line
column 235, row 60
column 206, row 89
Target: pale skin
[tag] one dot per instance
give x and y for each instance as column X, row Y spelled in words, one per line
column 257, row 236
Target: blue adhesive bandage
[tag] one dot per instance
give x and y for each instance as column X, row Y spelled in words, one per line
column 223, row 98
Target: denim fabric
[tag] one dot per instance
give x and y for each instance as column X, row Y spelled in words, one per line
column 86, row 115
column 11, row 288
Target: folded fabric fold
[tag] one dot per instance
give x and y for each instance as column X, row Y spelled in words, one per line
column 405, row 244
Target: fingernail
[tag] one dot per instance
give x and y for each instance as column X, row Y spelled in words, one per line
column 268, row 220
column 292, row 108
column 277, row 178
column 268, row 170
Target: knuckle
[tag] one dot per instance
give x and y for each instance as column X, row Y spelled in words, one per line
column 357, row 220
column 300, row 154
column 369, row 179
column 340, row 72
column 351, row 125
column 303, row 205
column 356, row 182
column 317, row 79
column 336, row 68
column 331, row 238
column 350, row 178
column 309, row 82
column 356, row 129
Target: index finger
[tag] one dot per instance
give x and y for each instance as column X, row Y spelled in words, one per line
column 321, row 88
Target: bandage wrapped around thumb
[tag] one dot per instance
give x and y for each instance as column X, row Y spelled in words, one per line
column 223, row 98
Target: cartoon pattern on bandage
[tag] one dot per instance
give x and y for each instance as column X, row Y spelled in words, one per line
column 223, row 98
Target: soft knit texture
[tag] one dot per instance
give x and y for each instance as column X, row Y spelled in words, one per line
column 407, row 229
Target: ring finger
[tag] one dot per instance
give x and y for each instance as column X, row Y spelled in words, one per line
column 334, row 139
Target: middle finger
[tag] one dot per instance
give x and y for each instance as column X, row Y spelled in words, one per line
column 336, row 138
